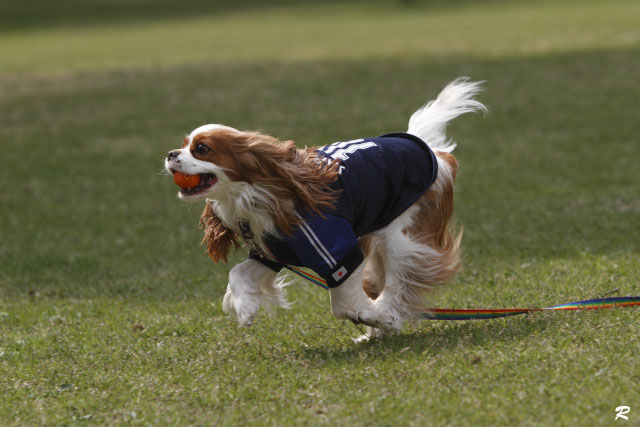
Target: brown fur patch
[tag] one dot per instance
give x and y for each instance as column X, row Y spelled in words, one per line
column 218, row 239
column 373, row 275
column 220, row 152
column 431, row 225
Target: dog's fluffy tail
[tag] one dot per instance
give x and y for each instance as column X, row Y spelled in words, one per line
column 429, row 123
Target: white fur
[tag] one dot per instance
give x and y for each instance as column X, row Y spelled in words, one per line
column 235, row 202
column 430, row 122
column 207, row 128
column 252, row 285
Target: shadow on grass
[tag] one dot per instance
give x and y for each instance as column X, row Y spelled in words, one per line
column 63, row 13
column 436, row 339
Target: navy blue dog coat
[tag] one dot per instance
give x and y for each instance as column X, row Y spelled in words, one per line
column 379, row 179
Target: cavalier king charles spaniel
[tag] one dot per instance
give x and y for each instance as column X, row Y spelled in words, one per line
column 371, row 216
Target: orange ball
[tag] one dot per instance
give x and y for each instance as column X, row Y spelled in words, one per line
column 185, row 181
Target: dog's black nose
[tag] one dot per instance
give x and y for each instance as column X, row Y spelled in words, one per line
column 173, row 154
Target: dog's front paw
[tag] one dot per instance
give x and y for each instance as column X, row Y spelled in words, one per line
column 228, row 304
column 371, row 333
column 242, row 311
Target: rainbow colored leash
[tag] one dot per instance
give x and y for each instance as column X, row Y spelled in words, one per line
column 310, row 277
column 470, row 314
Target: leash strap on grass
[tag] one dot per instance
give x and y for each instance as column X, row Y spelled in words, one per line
column 470, row 314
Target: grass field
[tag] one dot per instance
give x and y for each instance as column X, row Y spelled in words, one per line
column 110, row 312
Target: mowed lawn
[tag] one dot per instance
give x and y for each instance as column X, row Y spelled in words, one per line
column 110, row 312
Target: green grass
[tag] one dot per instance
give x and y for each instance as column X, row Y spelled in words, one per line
column 110, row 313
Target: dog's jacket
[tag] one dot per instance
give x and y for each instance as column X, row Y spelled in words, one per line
column 379, row 179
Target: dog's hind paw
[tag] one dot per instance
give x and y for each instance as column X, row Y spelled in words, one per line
column 375, row 319
column 361, row 338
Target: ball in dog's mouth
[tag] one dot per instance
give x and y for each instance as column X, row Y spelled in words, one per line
column 193, row 184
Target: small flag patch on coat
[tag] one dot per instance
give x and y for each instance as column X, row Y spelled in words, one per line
column 339, row 274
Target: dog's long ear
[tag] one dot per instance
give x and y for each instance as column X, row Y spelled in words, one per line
column 218, row 239
column 290, row 174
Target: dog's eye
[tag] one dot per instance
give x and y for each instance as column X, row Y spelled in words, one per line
column 201, row 149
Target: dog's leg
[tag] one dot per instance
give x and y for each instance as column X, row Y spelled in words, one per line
column 412, row 257
column 420, row 250
column 349, row 301
column 399, row 253
column 374, row 271
column 373, row 282
column 251, row 285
